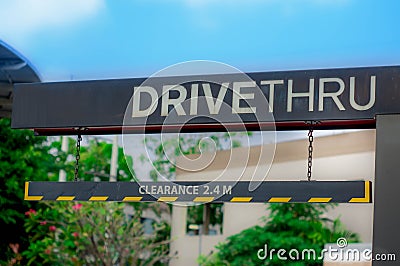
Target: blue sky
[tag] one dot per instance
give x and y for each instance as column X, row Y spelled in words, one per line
column 97, row 39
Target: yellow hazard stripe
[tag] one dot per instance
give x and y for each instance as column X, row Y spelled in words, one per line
column 26, row 195
column 203, row 199
column 279, row 199
column 241, row 199
column 65, row 198
column 167, row 199
column 98, row 198
column 132, row 199
column 319, row 199
column 367, row 196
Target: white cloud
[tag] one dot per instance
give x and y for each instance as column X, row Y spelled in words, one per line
column 19, row 18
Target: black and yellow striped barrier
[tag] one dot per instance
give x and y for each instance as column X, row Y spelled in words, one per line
column 268, row 191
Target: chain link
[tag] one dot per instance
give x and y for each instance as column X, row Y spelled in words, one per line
column 77, row 157
column 310, row 147
column 310, row 151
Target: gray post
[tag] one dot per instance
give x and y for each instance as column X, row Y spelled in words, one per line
column 386, row 235
column 62, row 177
column 114, row 160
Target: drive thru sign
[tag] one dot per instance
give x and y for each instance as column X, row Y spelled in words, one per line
column 333, row 96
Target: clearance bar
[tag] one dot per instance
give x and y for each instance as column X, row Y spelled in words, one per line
column 268, row 191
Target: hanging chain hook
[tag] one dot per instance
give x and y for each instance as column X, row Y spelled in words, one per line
column 310, row 147
column 77, row 157
column 310, row 152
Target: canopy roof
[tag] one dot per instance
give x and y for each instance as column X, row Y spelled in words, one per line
column 14, row 68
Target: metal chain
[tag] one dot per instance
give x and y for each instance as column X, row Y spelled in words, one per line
column 77, row 157
column 310, row 151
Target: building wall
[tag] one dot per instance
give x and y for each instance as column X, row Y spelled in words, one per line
column 340, row 157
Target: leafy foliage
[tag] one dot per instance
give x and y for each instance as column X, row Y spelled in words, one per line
column 289, row 226
column 70, row 233
column 93, row 233
column 23, row 157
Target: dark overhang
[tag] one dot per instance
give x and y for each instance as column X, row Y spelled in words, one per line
column 14, row 68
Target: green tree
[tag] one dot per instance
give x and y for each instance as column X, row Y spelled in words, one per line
column 106, row 235
column 91, row 233
column 290, row 226
column 23, row 157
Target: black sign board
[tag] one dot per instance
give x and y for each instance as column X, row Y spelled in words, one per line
column 349, row 97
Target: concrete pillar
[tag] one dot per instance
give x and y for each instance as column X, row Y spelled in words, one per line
column 114, row 160
column 386, row 235
column 62, row 176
